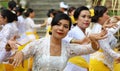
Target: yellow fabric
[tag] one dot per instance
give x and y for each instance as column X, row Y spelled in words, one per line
column 73, row 19
column 9, row 67
column 35, row 33
column 100, row 50
column 116, row 65
column 96, row 65
column 1, row 67
column 30, row 63
column 27, row 65
column 79, row 61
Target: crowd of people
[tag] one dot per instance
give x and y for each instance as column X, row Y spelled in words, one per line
column 77, row 39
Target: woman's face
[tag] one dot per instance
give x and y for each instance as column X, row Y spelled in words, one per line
column 2, row 20
column 104, row 17
column 32, row 14
column 60, row 30
column 84, row 19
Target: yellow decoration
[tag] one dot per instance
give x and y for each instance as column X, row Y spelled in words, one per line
column 92, row 12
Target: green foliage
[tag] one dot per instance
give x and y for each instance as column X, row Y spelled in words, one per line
column 111, row 13
column 4, row 4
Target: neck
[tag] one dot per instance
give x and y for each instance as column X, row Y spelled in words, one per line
column 83, row 29
column 55, row 41
column 101, row 22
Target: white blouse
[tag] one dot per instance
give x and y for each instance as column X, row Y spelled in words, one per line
column 107, row 46
column 8, row 31
column 30, row 25
column 21, row 24
column 40, row 49
column 77, row 33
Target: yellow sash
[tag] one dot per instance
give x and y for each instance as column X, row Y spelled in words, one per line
column 79, row 61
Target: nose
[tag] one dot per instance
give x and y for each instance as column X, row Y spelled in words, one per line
column 61, row 27
column 87, row 19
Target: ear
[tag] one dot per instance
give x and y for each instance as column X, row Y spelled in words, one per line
column 5, row 19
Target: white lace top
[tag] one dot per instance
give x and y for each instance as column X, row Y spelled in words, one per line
column 8, row 31
column 40, row 49
column 107, row 46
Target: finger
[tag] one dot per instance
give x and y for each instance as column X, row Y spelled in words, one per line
column 14, row 62
column 18, row 43
column 14, row 47
column 14, row 37
column 23, row 63
column 19, row 62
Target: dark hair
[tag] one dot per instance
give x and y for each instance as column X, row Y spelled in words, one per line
column 20, row 10
column 78, row 11
column 49, row 12
column 71, row 9
column 28, row 11
column 8, row 14
column 59, row 17
column 98, row 12
column 12, row 4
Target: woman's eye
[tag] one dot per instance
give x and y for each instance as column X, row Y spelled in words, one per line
column 58, row 23
column 66, row 26
column 84, row 16
column 89, row 17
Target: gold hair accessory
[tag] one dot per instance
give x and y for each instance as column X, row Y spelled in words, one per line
column 92, row 12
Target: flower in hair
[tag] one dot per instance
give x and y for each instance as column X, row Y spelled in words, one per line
column 92, row 12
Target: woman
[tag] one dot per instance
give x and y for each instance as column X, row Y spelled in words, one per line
column 102, row 60
column 51, row 53
column 8, row 31
column 30, row 24
column 83, row 18
column 70, row 12
column 21, row 19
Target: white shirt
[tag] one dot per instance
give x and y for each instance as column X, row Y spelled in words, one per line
column 21, row 24
column 8, row 31
column 30, row 25
column 40, row 50
column 77, row 33
column 106, row 45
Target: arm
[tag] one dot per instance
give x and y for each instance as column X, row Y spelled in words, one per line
column 86, row 40
column 76, row 49
column 107, row 48
column 33, row 25
column 30, row 50
column 114, row 30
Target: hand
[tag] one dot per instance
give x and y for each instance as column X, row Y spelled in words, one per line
column 111, row 22
column 118, row 60
column 11, row 44
column 17, row 59
column 98, row 36
column 86, row 40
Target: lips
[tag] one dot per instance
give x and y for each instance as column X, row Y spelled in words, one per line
column 60, row 33
column 86, row 23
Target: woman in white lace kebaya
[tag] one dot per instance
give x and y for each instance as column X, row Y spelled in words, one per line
column 52, row 53
column 102, row 60
column 8, row 31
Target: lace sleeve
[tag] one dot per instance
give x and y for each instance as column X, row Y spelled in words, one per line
column 107, row 48
column 31, row 49
column 76, row 49
column 114, row 30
